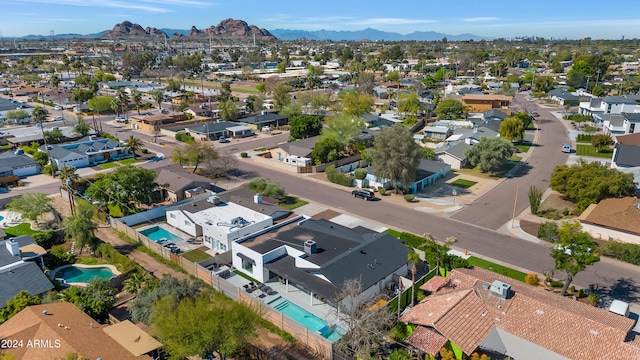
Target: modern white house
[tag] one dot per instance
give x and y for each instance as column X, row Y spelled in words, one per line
column 221, row 219
column 318, row 256
column 608, row 105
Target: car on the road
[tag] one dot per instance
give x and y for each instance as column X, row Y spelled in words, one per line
column 121, row 120
column 57, row 118
column 363, row 194
column 57, row 107
column 223, row 140
column 566, row 148
column 535, row 114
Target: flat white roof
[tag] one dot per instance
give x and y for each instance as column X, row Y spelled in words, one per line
column 226, row 212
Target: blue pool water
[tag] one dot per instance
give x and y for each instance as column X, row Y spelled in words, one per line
column 304, row 318
column 1, row 217
column 157, row 233
column 73, row 274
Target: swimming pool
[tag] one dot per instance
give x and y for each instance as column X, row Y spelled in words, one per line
column 305, row 318
column 82, row 274
column 156, row 233
column 1, row 217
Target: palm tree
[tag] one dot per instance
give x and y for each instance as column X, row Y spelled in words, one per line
column 414, row 258
column 136, row 96
column 134, row 283
column 68, row 176
column 124, row 102
column 38, row 114
column 82, row 128
column 157, row 95
column 132, row 144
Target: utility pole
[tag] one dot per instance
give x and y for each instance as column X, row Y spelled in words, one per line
column 598, row 77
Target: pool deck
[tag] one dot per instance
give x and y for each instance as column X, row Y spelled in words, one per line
column 182, row 243
column 113, row 269
column 10, row 219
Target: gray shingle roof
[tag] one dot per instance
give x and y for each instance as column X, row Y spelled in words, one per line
column 261, row 119
column 25, row 276
column 627, row 155
column 10, row 161
column 457, row 151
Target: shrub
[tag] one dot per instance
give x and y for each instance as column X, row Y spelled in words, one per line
column 144, row 150
column 382, row 191
column 622, row 251
column 409, row 197
column 338, row 177
column 572, row 288
column 244, row 155
column 46, row 239
column 360, row 173
column 49, row 169
column 109, row 136
column 266, row 187
column 532, row 279
column 548, row 231
column 581, row 293
column 556, row 284
column 184, row 137
column 594, row 299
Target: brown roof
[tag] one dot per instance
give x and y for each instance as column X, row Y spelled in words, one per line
column 178, row 178
column 67, row 330
column 617, row 213
column 486, row 97
column 427, row 340
column 132, row 338
column 631, row 139
column 465, row 312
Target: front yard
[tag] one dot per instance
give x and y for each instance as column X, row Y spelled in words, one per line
column 477, row 172
column 588, row 150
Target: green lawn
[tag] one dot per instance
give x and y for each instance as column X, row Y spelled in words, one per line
column 588, row 150
column 514, row 159
column 291, row 202
column 196, row 255
column 523, row 148
column 21, row 229
column 108, row 165
column 128, row 161
column 394, row 233
column 462, row 183
column 245, row 89
column 514, row 274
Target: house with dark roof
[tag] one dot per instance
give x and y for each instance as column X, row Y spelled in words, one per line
column 266, row 119
column 479, row 310
column 55, row 330
column 178, row 184
column 376, row 121
column 19, row 270
column 493, row 114
column 17, row 164
column 213, row 130
column 454, row 155
column 427, row 173
column 222, row 218
column 299, row 148
column 318, row 256
column 87, row 151
column 563, row 97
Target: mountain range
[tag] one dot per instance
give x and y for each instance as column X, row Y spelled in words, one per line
column 238, row 28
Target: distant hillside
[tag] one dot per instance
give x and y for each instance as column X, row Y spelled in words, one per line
column 369, row 34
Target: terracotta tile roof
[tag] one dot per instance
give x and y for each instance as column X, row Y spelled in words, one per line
column 433, row 284
column 65, row 325
column 616, row 213
column 630, row 139
column 465, row 312
column 426, row 340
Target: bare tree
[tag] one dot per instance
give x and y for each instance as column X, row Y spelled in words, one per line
column 365, row 325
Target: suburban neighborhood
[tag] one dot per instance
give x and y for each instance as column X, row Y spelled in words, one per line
column 233, row 195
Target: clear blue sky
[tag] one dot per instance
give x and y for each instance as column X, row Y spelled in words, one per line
column 491, row 18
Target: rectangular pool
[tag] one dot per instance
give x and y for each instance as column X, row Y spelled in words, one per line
column 305, row 318
column 156, row 233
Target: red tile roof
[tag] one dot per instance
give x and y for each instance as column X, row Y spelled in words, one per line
column 631, row 139
column 464, row 311
column 427, row 340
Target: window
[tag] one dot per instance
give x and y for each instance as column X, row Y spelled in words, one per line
column 632, row 128
column 247, row 265
column 187, row 223
column 173, row 216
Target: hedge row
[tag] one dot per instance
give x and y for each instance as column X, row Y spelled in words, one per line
column 622, row 251
column 337, row 177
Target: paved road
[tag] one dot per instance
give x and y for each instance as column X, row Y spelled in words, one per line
column 495, row 208
column 607, row 274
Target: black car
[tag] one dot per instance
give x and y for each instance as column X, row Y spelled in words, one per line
column 364, row 194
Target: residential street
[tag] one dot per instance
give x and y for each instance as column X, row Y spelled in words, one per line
column 495, row 208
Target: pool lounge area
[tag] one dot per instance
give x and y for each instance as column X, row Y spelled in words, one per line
column 305, row 318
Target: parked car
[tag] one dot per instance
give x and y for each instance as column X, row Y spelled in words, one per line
column 57, row 107
column 224, row 140
column 566, row 148
column 363, row 194
column 57, row 118
column 121, row 120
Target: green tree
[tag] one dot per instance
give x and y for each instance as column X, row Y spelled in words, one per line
column 281, row 97
column 326, row 149
column 136, row 96
column 400, row 354
column 304, row 126
column 535, row 198
column 158, row 96
column 135, row 282
column 82, row 128
column 414, row 258
column 427, row 153
column 355, row 103
column 282, row 68
column 261, row 87
column 125, row 187
column 80, row 227
column 95, row 299
column 395, row 156
column 210, row 323
column 255, row 102
column 588, row 183
column 195, row 154
column 17, row 304
column 225, row 91
column 343, row 128
column 511, row 129
column 133, row 144
column 409, row 104
column 68, row 176
column 449, row 109
column 30, row 205
column 54, row 136
column 41, row 157
column 267, row 187
column 574, row 251
column 490, row 153
column 38, row 114
column 600, row 141
column 228, row 110
column 141, row 306
column 313, row 75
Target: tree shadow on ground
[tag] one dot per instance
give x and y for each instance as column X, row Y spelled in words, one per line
column 622, row 289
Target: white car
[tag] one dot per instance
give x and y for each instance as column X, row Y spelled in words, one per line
column 57, row 108
column 121, row 119
column 57, row 118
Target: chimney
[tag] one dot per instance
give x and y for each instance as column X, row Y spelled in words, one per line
column 13, row 247
column 310, row 247
column 257, row 198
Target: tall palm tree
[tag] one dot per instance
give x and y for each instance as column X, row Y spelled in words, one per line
column 157, row 95
column 124, row 102
column 132, row 144
column 115, row 105
column 136, row 96
column 68, row 176
column 414, row 258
